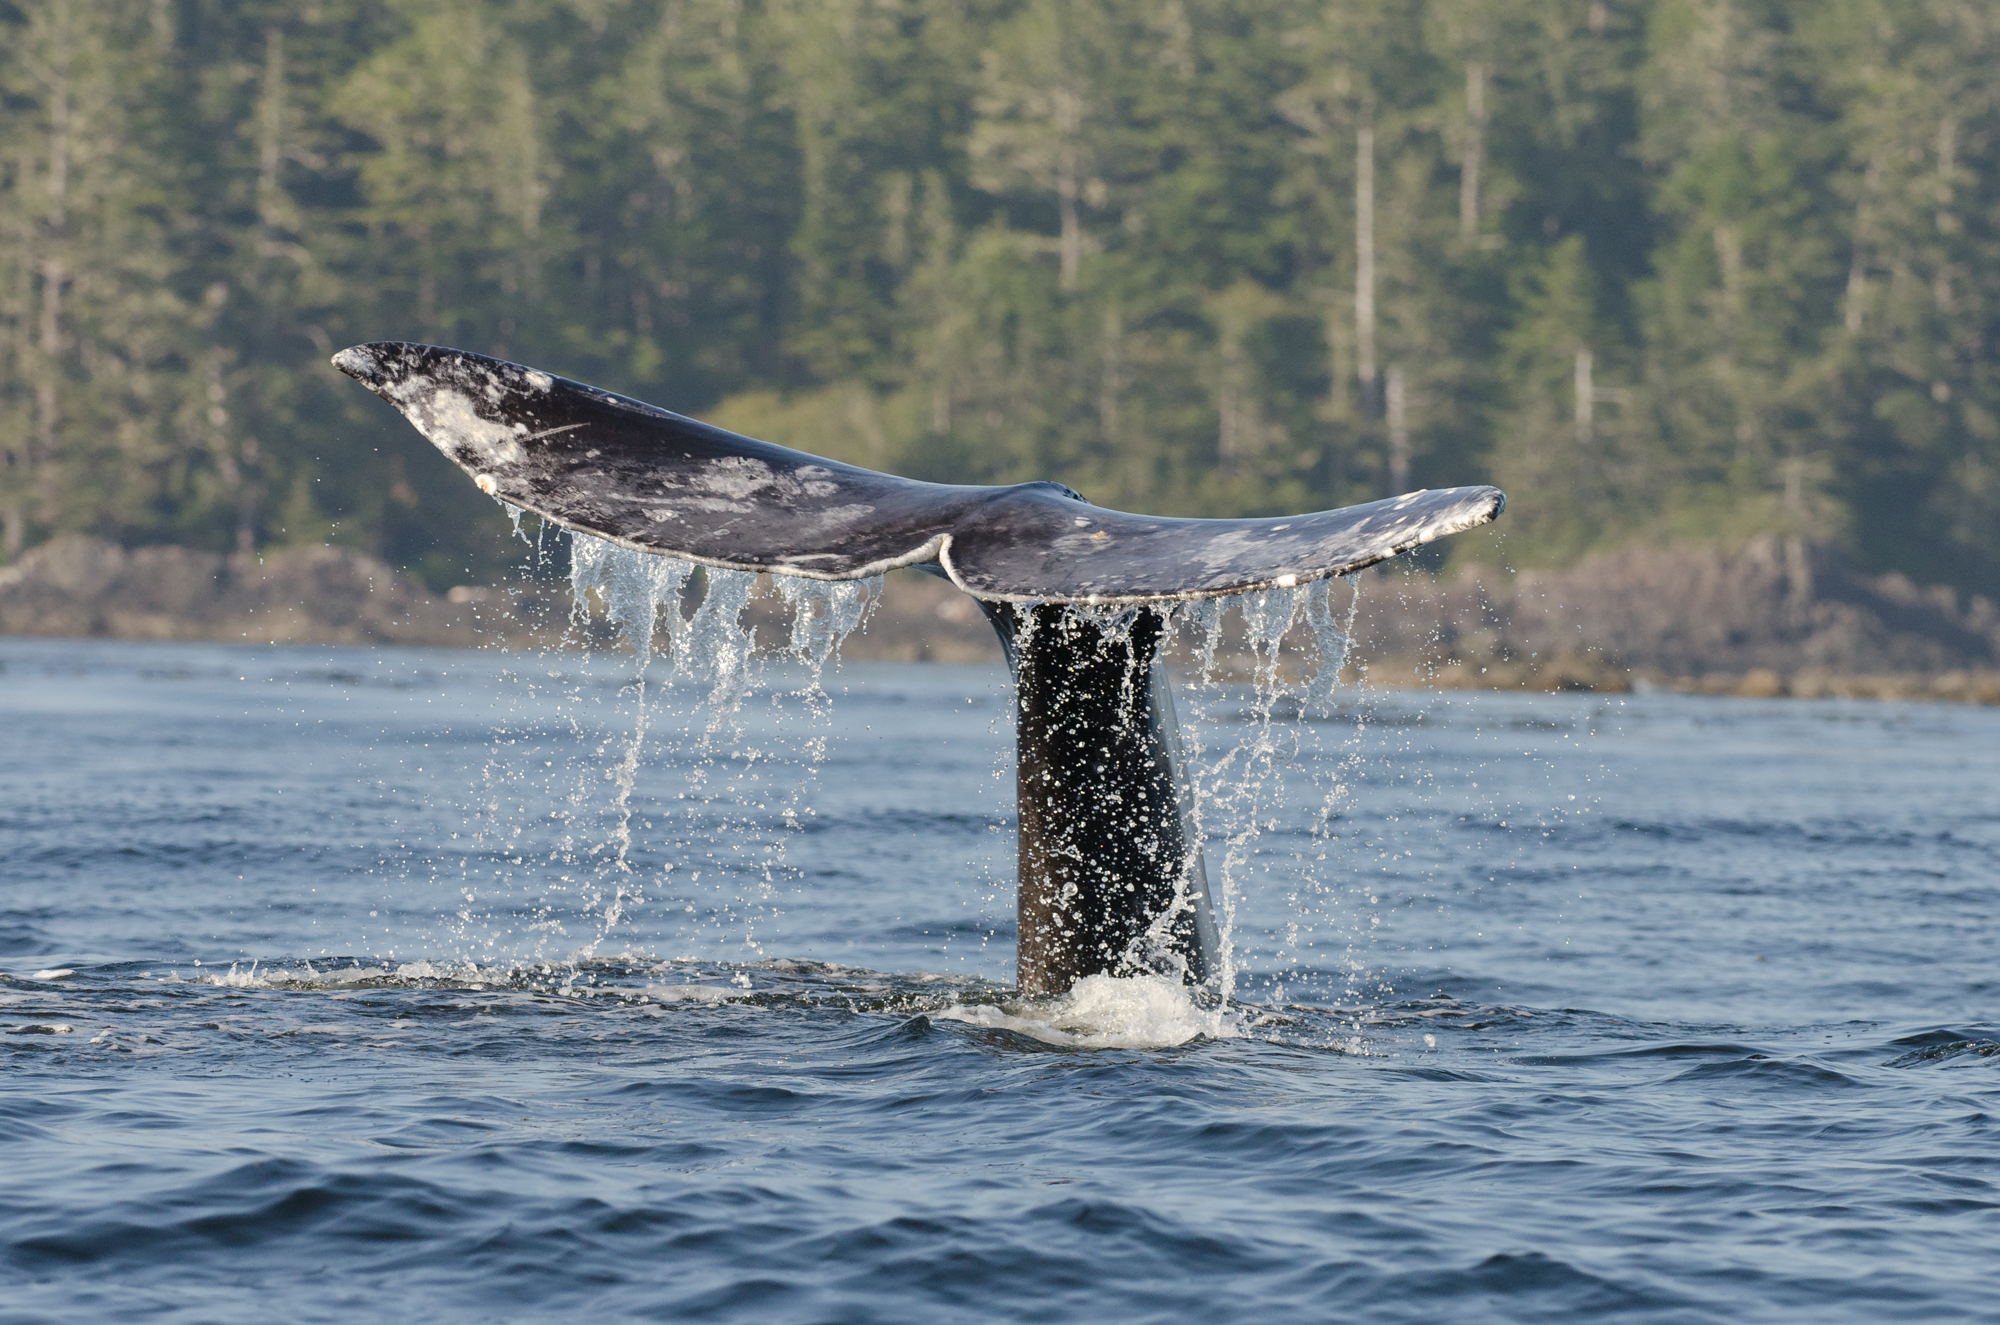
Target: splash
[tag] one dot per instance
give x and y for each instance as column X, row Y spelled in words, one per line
column 1108, row 1012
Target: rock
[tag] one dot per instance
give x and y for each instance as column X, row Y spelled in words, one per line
column 77, row 585
column 1777, row 609
column 1761, row 683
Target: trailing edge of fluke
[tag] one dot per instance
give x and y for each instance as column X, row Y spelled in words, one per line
column 1111, row 879
column 656, row 481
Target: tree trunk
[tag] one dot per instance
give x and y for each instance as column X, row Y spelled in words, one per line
column 1399, row 432
column 41, row 459
column 270, row 137
column 1947, row 153
column 1586, row 401
column 1729, row 255
column 1110, row 392
column 1857, row 262
column 1475, row 147
column 1340, row 370
column 1069, row 123
column 1072, row 234
column 1364, row 264
column 239, row 462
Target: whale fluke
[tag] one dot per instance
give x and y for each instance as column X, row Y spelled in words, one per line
column 650, row 479
column 1110, row 876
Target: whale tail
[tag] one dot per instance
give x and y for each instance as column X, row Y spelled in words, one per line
column 1110, row 871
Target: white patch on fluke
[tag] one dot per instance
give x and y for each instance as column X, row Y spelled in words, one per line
column 737, row 476
column 451, row 420
column 740, row 478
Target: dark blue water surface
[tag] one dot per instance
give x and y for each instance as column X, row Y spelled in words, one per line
column 326, row 994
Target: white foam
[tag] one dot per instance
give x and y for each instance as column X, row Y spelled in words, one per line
column 709, row 995
column 469, row 974
column 303, row 976
column 1108, row 1012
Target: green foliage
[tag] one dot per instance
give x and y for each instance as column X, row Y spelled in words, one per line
column 1693, row 268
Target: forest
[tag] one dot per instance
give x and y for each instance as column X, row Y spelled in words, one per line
column 1689, row 270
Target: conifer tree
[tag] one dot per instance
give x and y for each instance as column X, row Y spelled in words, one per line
column 1694, row 268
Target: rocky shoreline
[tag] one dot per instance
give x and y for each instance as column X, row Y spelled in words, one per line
column 1776, row 618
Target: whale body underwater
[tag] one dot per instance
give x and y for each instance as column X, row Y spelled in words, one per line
column 1110, row 876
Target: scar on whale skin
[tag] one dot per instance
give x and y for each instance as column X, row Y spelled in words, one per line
column 1110, row 876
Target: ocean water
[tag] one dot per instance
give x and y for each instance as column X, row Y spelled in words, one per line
column 343, row 984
